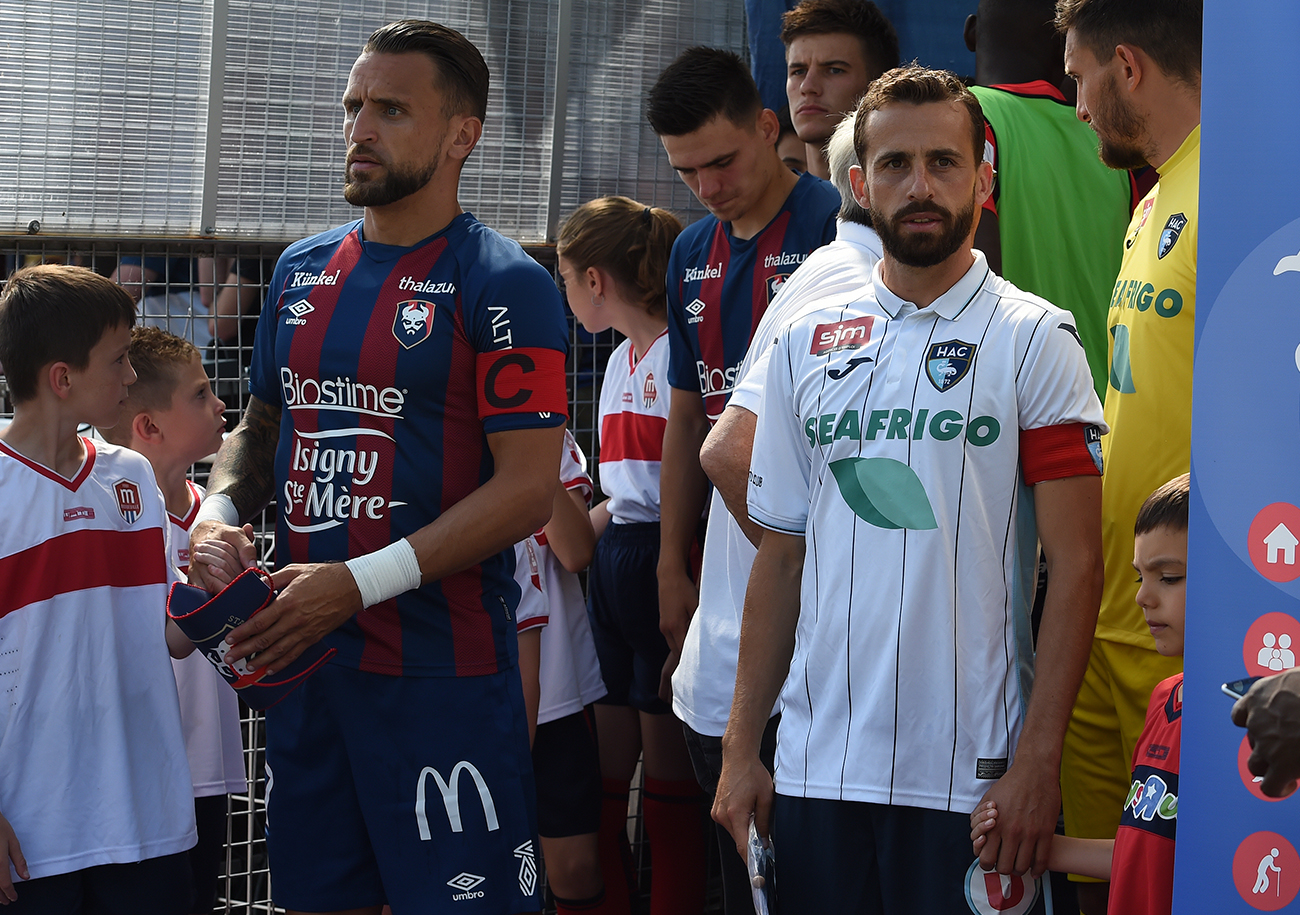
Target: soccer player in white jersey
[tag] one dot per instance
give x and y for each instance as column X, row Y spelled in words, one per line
column 706, row 677
column 914, row 443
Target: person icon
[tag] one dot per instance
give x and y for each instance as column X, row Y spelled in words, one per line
column 1267, row 864
column 1285, row 655
column 1266, row 658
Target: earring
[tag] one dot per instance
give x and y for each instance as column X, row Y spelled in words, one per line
column 595, row 304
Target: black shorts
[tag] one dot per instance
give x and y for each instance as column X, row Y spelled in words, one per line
column 208, row 857
column 155, row 886
column 873, row 859
column 566, row 767
column 623, row 605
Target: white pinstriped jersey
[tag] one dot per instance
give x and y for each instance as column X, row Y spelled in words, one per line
column 92, row 763
column 209, row 707
column 889, row 437
column 551, row 596
column 633, row 415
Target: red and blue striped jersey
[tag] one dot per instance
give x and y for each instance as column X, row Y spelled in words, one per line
column 719, row 286
column 390, row 366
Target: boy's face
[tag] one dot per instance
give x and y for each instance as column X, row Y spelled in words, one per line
column 1160, row 557
column 193, row 425
column 100, row 388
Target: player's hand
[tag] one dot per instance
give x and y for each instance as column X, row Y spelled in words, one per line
column 10, row 850
column 744, row 790
column 982, row 820
column 678, row 598
column 1028, row 799
column 666, row 676
column 218, row 553
column 314, row 600
column 1270, row 713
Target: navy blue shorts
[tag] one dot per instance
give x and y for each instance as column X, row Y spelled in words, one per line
column 623, row 605
column 873, row 859
column 414, row 791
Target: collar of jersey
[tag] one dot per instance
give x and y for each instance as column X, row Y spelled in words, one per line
column 949, row 305
column 1188, row 150
column 381, row 252
column 860, row 236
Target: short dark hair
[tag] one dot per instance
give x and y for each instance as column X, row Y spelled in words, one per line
column 629, row 240
column 54, row 313
column 859, row 18
column 1166, row 507
column 157, row 358
column 699, row 85
column 1168, row 30
column 462, row 72
column 917, row 85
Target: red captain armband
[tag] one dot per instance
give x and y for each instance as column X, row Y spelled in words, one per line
column 521, row 380
column 1057, row 452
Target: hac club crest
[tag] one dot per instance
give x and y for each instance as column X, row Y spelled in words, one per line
column 947, row 363
column 413, row 322
column 128, row 499
column 1169, row 236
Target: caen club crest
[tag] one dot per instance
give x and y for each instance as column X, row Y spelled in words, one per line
column 649, row 393
column 128, row 499
column 947, row 363
column 1169, row 237
column 774, row 285
column 413, row 322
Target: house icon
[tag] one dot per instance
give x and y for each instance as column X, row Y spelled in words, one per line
column 1281, row 540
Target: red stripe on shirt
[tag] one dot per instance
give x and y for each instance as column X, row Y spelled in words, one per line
column 79, row 560
column 632, row 437
column 770, row 244
column 711, row 331
column 1056, row 452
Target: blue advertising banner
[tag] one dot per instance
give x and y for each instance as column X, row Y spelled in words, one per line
column 1236, row 849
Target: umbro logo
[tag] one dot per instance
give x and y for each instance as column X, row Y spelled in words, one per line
column 696, row 311
column 465, row 884
column 300, row 310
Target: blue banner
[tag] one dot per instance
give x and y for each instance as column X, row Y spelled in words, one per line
column 1236, row 849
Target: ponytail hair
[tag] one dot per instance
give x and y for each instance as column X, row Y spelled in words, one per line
column 628, row 240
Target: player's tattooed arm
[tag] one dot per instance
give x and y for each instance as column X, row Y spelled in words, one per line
column 245, row 466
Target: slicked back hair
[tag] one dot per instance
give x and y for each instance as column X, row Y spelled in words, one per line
column 917, row 85
column 1166, row 507
column 1168, row 30
column 462, row 73
column 52, row 313
column 699, row 85
column 157, row 358
column 860, row 18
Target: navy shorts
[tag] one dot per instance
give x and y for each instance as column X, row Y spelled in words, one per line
column 874, row 859
column 155, row 886
column 623, row 605
column 566, row 763
column 414, row 791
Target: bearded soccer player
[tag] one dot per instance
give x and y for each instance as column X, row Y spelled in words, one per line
column 1138, row 67
column 915, row 442
column 407, row 415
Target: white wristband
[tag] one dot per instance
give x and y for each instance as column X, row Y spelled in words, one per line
column 217, row 507
column 385, row 573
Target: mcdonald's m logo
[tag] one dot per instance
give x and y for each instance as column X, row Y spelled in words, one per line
column 451, row 798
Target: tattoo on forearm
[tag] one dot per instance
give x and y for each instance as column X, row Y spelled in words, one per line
column 245, row 467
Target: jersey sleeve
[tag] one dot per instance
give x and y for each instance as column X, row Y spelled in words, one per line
column 573, row 468
column 263, row 376
column 533, row 610
column 748, row 392
column 682, row 372
column 781, row 467
column 516, row 324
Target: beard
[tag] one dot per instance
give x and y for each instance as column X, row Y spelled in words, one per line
column 397, row 182
column 1119, row 128
column 915, row 250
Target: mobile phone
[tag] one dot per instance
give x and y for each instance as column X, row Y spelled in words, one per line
column 1238, row 688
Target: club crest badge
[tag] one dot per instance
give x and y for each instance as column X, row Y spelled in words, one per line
column 128, row 500
column 1092, row 437
column 649, row 393
column 413, row 322
column 1147, row 206
column 991, row 893
column 1169, row 236
column 774, row 285
column 947, row 363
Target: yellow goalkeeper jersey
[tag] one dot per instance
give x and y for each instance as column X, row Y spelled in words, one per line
column 1149, row 395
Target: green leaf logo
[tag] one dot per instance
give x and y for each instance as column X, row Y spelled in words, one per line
column 884, row 492
column 1121, row 370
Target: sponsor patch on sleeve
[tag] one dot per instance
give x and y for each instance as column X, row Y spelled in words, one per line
column 521, row 380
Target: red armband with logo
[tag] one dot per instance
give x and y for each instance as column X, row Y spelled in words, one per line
column 1057, row 452
column 521, row 380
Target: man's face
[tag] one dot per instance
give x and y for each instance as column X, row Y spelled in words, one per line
column 394, row 127
column 922, row 180
column 723, row 163
column 825, row 77
column 1120, row 129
